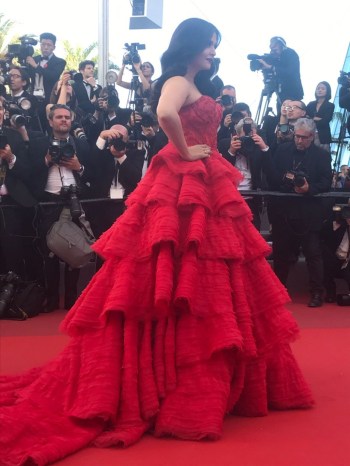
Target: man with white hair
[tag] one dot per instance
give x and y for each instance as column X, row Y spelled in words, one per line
column 299, row 167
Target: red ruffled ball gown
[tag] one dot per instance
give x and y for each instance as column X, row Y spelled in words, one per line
column 184, row 323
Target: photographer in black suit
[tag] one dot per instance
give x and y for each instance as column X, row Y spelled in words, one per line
column 58, row 164
column 245, row 151
column 117, row 168
column 45, row 70
column 299, row 167
column 16, row 202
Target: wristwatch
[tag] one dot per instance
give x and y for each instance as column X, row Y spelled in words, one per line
column 81, row 170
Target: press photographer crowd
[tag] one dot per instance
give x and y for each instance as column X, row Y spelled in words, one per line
column 70, row 155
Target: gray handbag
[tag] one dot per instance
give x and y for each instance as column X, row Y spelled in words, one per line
column 71, row 242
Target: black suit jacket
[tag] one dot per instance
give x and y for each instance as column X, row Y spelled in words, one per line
column 105, row 170
column 288, row 76
column 18, row 178
column 316, row 163
column 254, row 158
column 326, row 113
column 84, row 102
column 51, row 73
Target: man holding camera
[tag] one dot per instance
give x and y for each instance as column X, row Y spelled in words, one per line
column 16, row 201
column 245, row 151
column 59, row 171
column 45, row 70
column 86, row 88
column 303, row 168
column 23, row 106
column 284, row 63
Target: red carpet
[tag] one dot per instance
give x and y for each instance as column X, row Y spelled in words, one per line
column 317, row 437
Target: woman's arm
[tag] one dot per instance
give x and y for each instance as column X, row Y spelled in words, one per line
column 145, row 84
column 176, row 93
column 120, row 81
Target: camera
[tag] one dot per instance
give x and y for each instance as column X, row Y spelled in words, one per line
column 78, row 131
column 247, row 142
column 118, row 143
column 8, row 285
column 71, row 193
column 226, row 100
column 344, row 79
column 23, row 50
column 268, row 74
column 111, row 98
column 132, row 56
column 295, row 178
column 59, row 149
column 285, row 129
column 255, row 65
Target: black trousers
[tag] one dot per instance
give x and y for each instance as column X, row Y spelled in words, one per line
column 287, row 239
column 47, row 216
column 19, row 250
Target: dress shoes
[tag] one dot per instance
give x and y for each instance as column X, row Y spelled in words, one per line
column 316, row 300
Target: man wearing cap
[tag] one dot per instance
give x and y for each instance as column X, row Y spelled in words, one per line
column 286, row 66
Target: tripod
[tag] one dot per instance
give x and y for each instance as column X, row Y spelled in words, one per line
column 263, row 107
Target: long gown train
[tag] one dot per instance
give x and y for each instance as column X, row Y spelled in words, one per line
column 184, row 323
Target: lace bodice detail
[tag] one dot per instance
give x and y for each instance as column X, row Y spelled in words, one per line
column 200, row 121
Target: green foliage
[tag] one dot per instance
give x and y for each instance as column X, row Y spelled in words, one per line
column 75, row 55
column 5, row 28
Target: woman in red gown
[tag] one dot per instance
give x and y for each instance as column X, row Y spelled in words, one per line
column 185, row 322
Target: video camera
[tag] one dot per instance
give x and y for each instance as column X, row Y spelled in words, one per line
column 23, row 50
column 344, row 79
column 268, row 74
column 70, row 193
column 59, row 149
column 132, row 56
column 8, row 285
column 295, row 178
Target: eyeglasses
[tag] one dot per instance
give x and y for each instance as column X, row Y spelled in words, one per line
column 300, row 136
column 293, row 107
column 15, row 75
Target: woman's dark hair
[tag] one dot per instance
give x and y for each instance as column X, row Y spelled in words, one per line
column 150, row 64
column 189, row 39
column 328, row 95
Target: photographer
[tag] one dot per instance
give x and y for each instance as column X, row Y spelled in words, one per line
column 16, row 202
column 142, row 77
column 86, row 88
column 336, row 251
column 45, row 70
column 245, row 151
column 344, row 94
column 231, row 117
column 117, row 168
column 299, row 167
column 60, row 167
column 284, row 63
column 291, row 111
column 22, row 106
